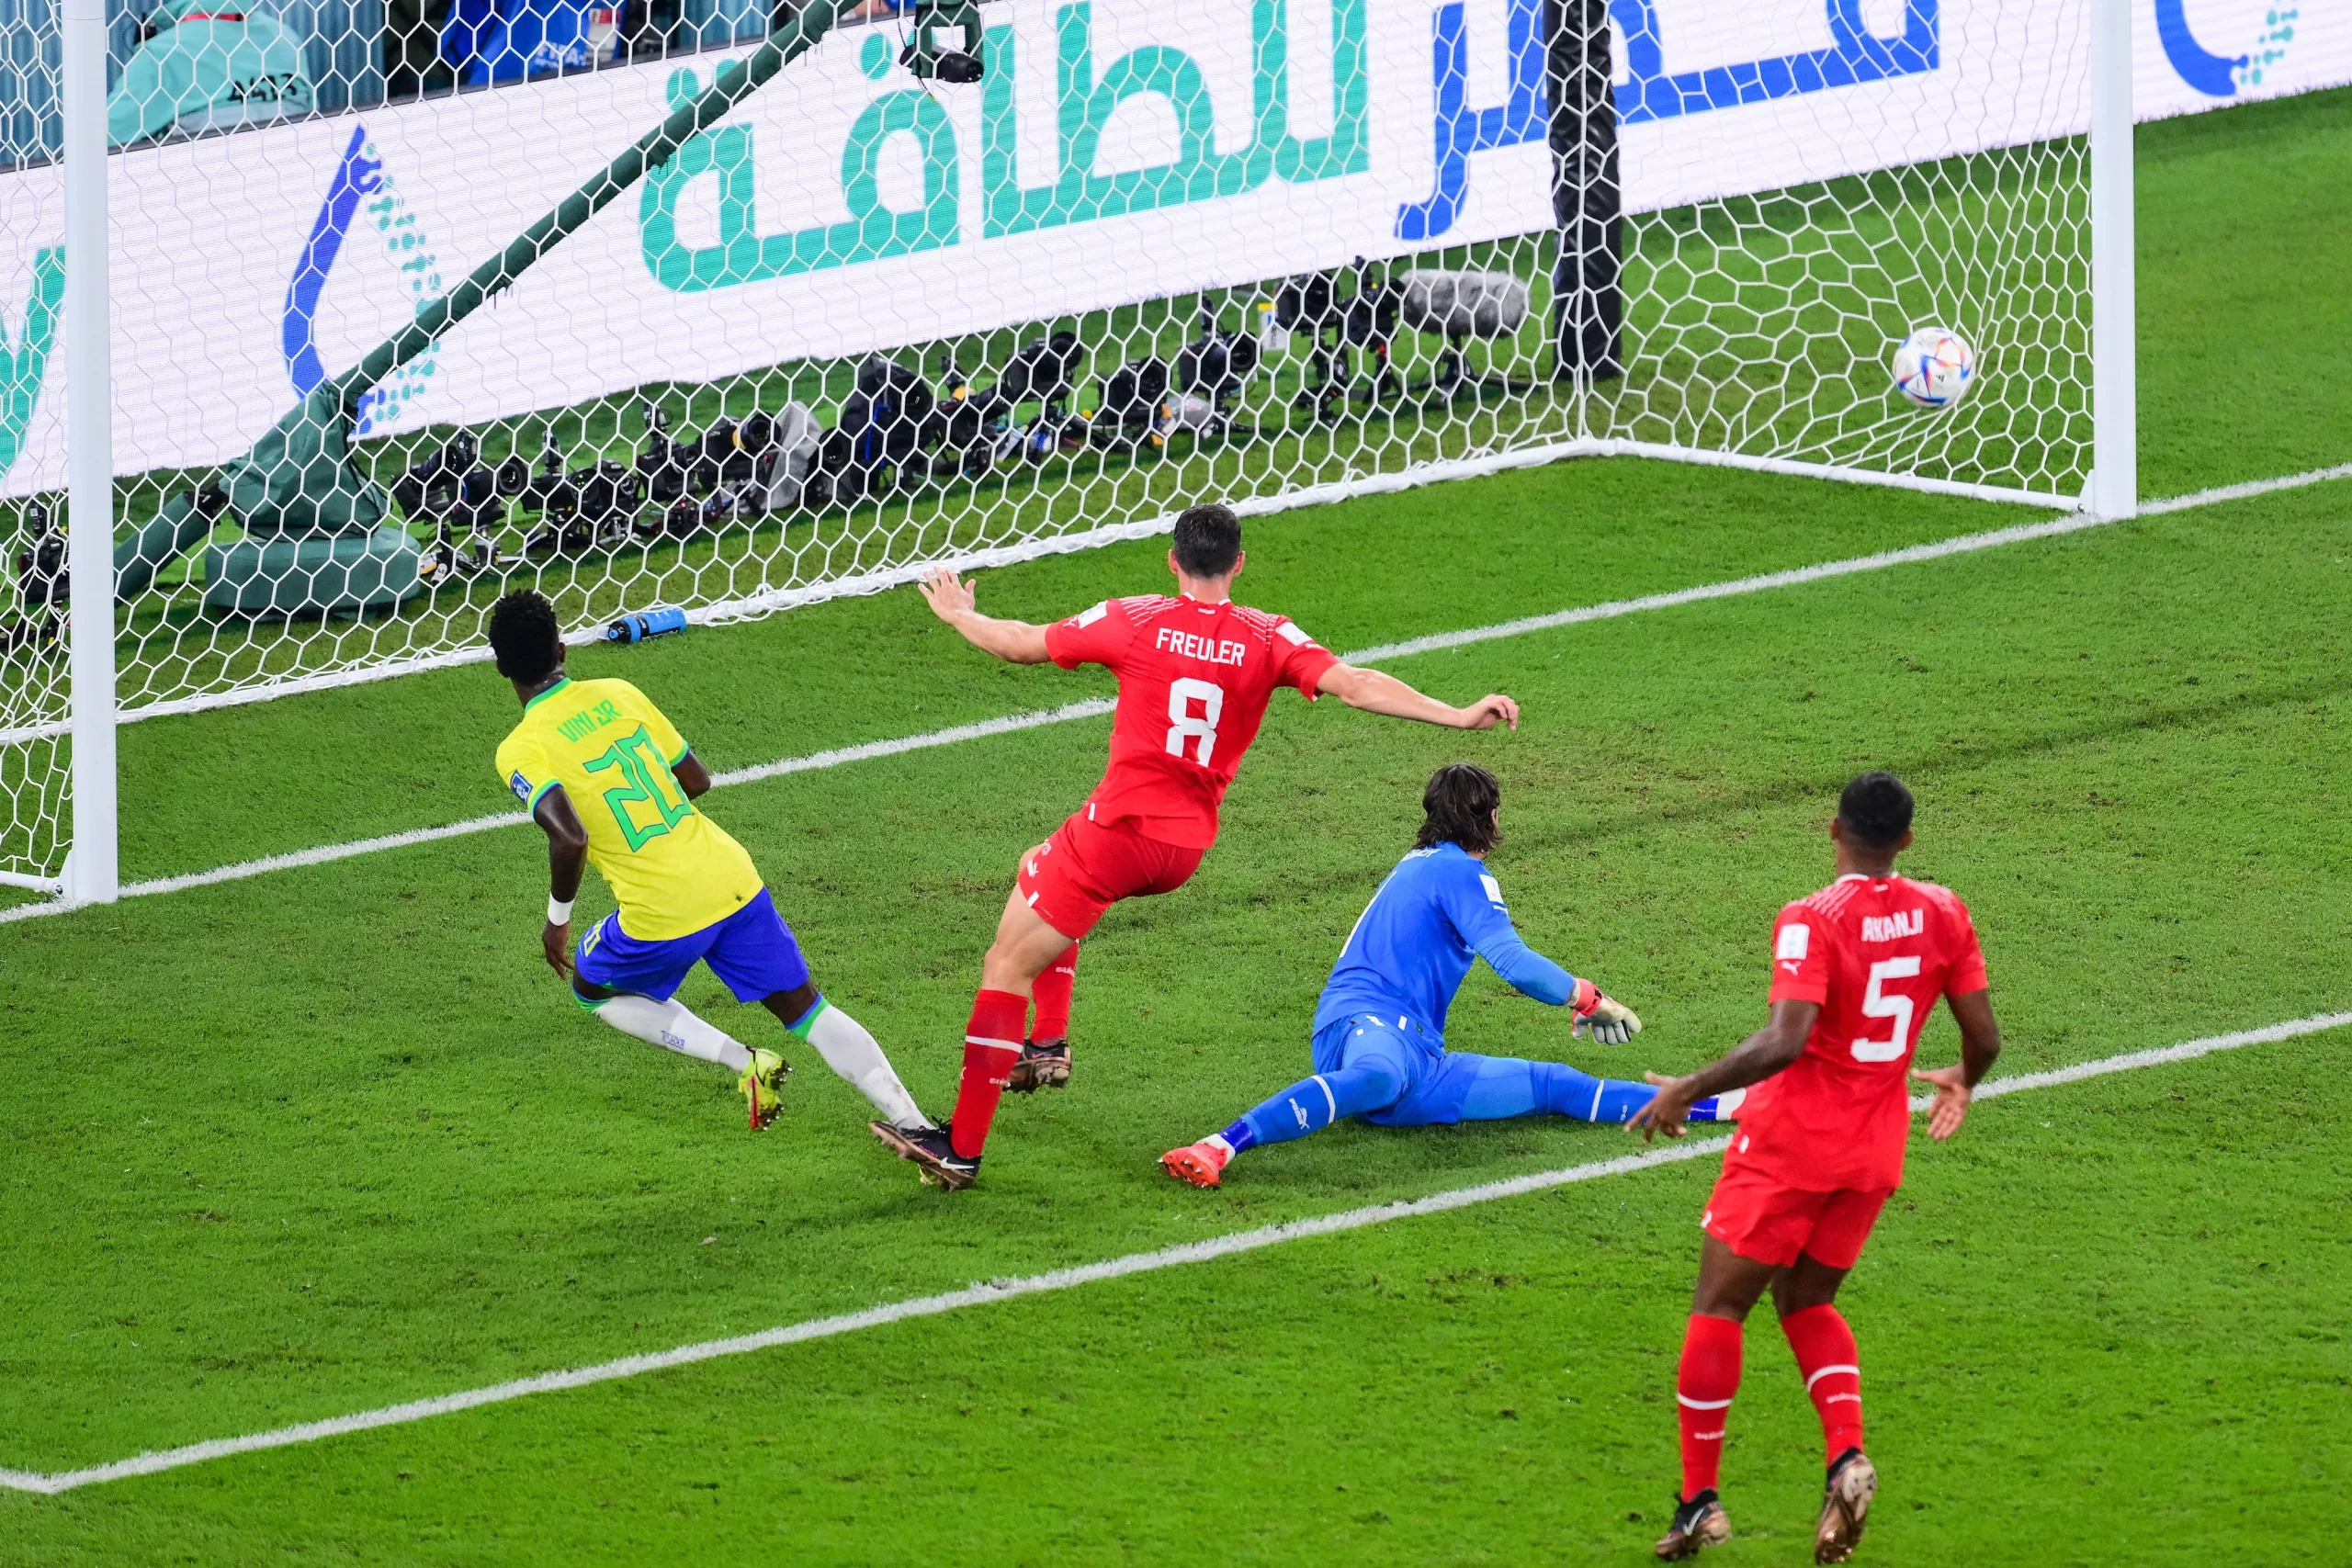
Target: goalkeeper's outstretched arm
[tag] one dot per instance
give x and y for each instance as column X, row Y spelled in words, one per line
column 1608, row 1020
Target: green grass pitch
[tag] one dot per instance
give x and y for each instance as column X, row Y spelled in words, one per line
column 303, row 1144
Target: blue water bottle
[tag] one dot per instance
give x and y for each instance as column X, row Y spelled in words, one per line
column 646, row 624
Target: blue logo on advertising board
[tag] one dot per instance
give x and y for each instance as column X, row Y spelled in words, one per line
column 359, row 182
column 2221, row 76
column 1855, row 56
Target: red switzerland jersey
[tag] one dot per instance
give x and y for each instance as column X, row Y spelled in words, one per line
column 1875, row 954
column 1194, row 684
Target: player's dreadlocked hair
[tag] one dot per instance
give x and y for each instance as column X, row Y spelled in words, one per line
column 1208, row 540
column 1459, row 808
column 524, row 634
column 1876, row 810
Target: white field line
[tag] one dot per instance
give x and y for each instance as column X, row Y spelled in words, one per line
column 2240, row 491
column 883, row 579
column 1350, row 489
column 1097, row 707
column 1964, row 545
column 981, row 1294
column 2133, row 1061
column 1090, row 709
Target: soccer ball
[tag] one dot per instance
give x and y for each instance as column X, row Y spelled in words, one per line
column 1934, row 367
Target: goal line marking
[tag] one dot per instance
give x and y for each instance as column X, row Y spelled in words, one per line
column 1964, row 544
column 981, row 1294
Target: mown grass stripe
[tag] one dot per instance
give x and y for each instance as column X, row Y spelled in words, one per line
column 981, row 1294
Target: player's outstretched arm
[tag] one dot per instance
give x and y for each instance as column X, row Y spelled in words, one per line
column 567, row 854
column 1980, row 1042
column 1606, row 1021
column 694, row 779
column 1762, row 1054
column 952, row 601
column 1376, row 692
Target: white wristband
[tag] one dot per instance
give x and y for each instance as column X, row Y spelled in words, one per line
column 559, row 910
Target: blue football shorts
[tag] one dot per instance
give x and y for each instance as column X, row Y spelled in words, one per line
column 752, row 950
column 1437, row 1081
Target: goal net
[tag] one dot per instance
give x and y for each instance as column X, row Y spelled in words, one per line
column 862, row 317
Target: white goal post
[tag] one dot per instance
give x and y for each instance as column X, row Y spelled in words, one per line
column 91, row 874
column 682, row 304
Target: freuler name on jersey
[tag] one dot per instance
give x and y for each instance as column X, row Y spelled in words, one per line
column 1206, row 648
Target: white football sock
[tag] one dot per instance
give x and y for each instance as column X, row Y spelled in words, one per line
column 672, row 1027
column 851, row 1052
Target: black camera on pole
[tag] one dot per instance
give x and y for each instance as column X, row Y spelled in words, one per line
column 883, row 422
column 1132, row 396
column 451, row 489
column 1216, row 365
column 981, row 428
column 927, row 59
column 665, row 468
column 432, row 488
column 1337, row 329
column 1211, row 372
column 579, row 509
column 41, row 571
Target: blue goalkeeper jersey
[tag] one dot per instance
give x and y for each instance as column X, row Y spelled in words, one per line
column 1414, row 943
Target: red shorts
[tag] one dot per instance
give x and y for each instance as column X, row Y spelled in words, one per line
column 1760, row 1219
column 1085, row 868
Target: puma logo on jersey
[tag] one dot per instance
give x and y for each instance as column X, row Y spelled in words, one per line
column 1793, row 942
column 1211, row 650
column 1886, row 927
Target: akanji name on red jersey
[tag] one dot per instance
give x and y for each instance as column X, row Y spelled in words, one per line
column 1195, row 680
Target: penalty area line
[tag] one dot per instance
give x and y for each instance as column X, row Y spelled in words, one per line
column 1965, row 544
column 1095, row 707
column 981, row 1294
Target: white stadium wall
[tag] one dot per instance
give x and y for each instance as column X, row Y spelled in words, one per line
column 847, row 207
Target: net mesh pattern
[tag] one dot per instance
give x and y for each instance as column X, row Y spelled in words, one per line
column 757, row 373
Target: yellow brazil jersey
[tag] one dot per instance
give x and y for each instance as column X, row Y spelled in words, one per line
column 671, row 870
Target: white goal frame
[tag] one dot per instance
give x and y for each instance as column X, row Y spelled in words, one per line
column 91, row 874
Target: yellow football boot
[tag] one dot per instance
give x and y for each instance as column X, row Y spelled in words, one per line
column 758, row 1085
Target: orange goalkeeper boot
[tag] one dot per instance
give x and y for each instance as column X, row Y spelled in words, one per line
column 1202, row 1164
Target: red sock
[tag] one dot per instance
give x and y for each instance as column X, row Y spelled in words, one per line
column 1832, row 1371
column 1052, row 990
column 991, row 1044
column 1703, row 1388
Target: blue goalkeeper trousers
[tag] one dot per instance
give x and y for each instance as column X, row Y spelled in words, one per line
column 1370, row 1068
